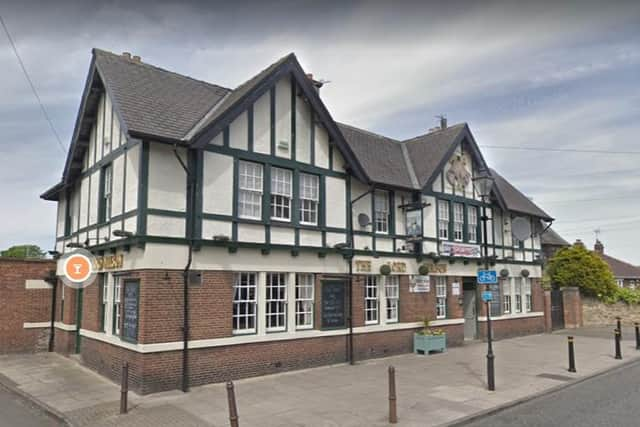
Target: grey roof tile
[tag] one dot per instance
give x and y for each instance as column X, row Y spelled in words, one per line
column 551, row 237
column 515, row 200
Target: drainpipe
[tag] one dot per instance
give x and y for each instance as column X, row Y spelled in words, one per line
column 191, row 197
column 52, row 329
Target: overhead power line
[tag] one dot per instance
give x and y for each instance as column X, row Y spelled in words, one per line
column 33, row 88
column 558, row 150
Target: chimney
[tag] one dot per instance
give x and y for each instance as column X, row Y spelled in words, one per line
column 599, row 247
column 578, row 243
column 126, row 55
column 316, row 83
column 443, row 121
column 136, row 58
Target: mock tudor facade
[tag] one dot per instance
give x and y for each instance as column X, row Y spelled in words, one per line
column 306, row 240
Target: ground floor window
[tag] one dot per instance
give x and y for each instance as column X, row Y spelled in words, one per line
column 104, row 298
column 392, row 295
column 116, row 305
column 371, row 299
column 518, row 293
column 244, row 302
column 276, row 301
column 527, row 295
column 304, row 301
column 441, row 297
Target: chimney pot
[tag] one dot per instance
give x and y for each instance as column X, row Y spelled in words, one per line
column 126, row 55
column 599, row 247
column 136, row 58
column 443, row 122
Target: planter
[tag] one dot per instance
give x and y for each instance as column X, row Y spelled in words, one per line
column 425, row 344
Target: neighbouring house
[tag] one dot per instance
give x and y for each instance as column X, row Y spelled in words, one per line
column 551, row 243
column 307, row 241
column 627, row 275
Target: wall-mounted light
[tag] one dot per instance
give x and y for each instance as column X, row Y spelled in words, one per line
column 122, row 233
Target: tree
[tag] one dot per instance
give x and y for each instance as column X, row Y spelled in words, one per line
column 577, row 266
column 23, row 251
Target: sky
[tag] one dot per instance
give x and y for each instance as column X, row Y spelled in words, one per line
column 529, row 77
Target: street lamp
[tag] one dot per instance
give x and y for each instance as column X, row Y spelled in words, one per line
column 483, row 183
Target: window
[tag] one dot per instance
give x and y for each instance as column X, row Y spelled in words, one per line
column 392, row 294
column 620, row 283
column 371, row 299
column 244, row 302
column 441, row 297
column 276, row 302
column 105, row 192
column 304, row 301
column 518, row 293
column 250, row 190
column 104, row 298
column 506, row 303
column 281, row 194
column 309, row 199
column 527, row 295
column 116, row 306
column 495, row 305
column 472, row 224
column 443, row 219
column 381, row 206
column 458, row 221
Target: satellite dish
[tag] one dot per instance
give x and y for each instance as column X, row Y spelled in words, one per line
column 521, row 228
column 363, row 220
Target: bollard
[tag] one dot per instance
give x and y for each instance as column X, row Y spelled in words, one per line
column 637, row 335
column 618, row 351
column 393, row 413
column 124, row 388
column 233, row 410
column 572, row 356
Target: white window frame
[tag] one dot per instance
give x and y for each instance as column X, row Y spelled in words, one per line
column 443, row 219
column 105, row 302
column 250, row 189
column 528, row 300
column 281, row 194
column 472, row 223
column 371, row 300
column 106, row 191
column 309, row 198
column 381, row 207
column 517, row 293
column 392, row 296
column 245, row 306
column 305, row 293
column 441, row 297
column 458, row 222
column 116, row 305
column 276, row 302
column 506, row 303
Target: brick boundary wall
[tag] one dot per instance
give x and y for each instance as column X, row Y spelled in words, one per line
column 513, row 327
column 19, row 305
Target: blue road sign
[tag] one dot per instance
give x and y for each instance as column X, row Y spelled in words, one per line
column 487, row 277
column 487, row 296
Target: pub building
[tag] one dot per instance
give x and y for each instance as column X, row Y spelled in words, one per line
column 304, row 241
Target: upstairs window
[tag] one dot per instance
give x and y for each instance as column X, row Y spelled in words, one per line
column 472, row 224
column 458, row 221
column 443, row 219
column 281, row 191
column 250, row 190
column 105, row 191
column 309, row 189
column 381, row 206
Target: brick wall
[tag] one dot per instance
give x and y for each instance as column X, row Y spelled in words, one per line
column 513, row 327
column 19, row 305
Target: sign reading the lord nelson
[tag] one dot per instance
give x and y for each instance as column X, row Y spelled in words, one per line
column 333, row 304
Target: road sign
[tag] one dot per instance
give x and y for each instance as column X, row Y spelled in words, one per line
column 487, row 296
column 487, row 277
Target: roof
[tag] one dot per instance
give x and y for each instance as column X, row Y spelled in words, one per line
column 619, row 268
column 381, row 157
column 154, row 101
column 514, row 200
column 551, row 238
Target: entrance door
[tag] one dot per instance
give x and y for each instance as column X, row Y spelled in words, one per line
column 470, row 320
column 557, row 310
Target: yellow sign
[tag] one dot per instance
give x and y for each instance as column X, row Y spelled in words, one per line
column 437, row 268
column 363, row 266
column 109, row 262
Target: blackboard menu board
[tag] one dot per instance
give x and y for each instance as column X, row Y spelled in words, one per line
column 130, row 311
column 333, row 304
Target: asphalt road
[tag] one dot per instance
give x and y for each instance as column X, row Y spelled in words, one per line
column 16, row 412
column 612, row 399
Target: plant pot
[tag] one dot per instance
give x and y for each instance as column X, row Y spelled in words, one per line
column 425, row 344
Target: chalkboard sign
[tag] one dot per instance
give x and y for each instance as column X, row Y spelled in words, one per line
column 130, row 311
column 333, row 304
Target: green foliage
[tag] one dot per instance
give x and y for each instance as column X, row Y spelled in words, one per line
column 23, row 251
column 627, row 295
column 576, row 266
column 427, row 330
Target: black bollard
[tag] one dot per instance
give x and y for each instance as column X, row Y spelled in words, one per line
column 618, row 350
column 233, row 409
column 124, row 389
column 393, row 412
column 637, row 336
column 572, row 356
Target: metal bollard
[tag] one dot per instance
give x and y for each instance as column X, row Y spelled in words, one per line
column 233, row 410
column 637, row 335
column 572, row 355
column 393, row 412
column 124, row 388
column 618, row 351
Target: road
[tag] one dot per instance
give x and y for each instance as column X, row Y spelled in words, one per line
column 16, row 412
column 607, row 400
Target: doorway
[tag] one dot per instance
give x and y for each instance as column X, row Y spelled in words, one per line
column 469, row 306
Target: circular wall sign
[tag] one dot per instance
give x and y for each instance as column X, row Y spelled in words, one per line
column 76, row 269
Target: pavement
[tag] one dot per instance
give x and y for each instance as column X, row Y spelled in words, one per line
column 20, row 412
column 437, row 389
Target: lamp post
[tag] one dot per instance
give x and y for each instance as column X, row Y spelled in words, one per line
column 483, row 183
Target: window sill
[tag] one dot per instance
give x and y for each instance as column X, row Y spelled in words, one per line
column 240, row 333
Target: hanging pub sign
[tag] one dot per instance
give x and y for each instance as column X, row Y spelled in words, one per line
column 420, row 284
column 413, row 220
column 460, row 249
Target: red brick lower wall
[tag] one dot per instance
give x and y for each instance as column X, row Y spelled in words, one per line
column 514, row 327
column 64, row 341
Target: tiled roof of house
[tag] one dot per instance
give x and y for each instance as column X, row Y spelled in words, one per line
column 516, row 201
column 550, row 237
column 620, row 269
